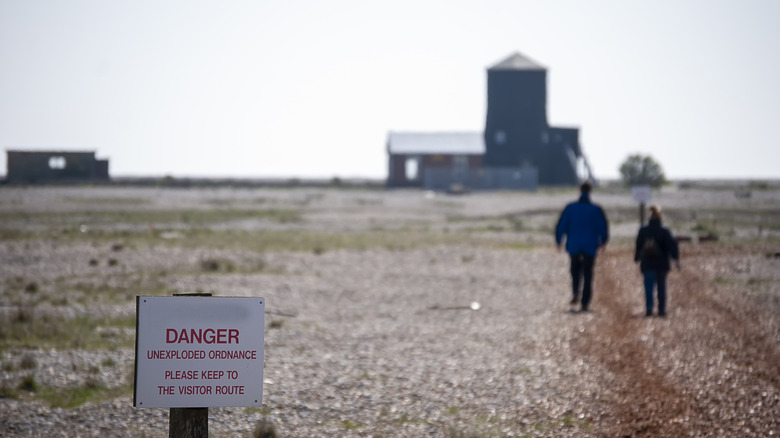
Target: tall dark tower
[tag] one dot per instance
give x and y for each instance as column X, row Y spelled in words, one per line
column 516, row 131
column 516, row 112
column 518, row 149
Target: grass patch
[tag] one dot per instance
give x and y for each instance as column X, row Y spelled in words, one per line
column 254, row 410
column 720, row 281
column 406, row 419
column 259, row 240
column 517, row 246
column 107, row 201
column 321, row 242
column 705, row 228
column 570, row 421
column 7, row 235
column 351, row 425
column 29, row 384
column 92, row 390
column 191, row 217
column 71, row 397
column 118, row 287
column 7, row 391
column 454, row 432
column 25, row 328
column 74, row 397
column 315, row 242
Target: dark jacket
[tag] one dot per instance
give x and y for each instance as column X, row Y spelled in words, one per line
column 655, row 235
column 585, row 226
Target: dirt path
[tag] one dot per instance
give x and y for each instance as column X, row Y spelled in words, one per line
column 712, row 368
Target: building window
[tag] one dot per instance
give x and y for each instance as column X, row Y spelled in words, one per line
column 500, row 137
column 57, row 163
column 460, row 162
column 412, row 168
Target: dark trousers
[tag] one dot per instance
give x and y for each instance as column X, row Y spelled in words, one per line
column 582, row 269
column 655, row 280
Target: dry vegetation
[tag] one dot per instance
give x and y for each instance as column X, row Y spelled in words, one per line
column 369, row 331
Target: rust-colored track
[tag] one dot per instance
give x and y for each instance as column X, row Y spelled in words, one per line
column 709, row 369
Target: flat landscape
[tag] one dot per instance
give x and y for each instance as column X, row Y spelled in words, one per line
column 396, row 313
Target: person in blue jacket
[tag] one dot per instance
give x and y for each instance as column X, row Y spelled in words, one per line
column 586, row 229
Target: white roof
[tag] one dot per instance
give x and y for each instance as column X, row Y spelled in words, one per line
column 436, row 143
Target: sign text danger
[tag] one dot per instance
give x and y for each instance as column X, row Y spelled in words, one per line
column 201, row 336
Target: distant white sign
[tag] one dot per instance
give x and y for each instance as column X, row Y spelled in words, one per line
column 199, row 352
column 640, row 194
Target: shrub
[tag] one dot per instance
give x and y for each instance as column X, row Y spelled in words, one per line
column 28, row 362
column 264, row 429
column 638, row 170
column 29, row 384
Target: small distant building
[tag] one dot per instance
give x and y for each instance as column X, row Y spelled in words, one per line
column 30, row 167
column 446, row 161
column 517, row 150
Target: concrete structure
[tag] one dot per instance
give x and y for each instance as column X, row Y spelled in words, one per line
column 517, row 150
column 30, row 167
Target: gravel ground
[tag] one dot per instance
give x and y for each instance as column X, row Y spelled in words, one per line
column 380, row 342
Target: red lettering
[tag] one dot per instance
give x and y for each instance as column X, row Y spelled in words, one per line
column 165, row 390
column 211, row 374
column 195, row 336
column 233, row 354
column 181, row 375
column 200, row 336
column 194, row 390
column 176, row 354
column 229, row 390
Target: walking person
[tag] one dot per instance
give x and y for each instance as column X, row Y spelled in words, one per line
column 655, row 245
column 586, row 229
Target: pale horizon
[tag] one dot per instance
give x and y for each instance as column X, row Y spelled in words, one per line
column 308, row 90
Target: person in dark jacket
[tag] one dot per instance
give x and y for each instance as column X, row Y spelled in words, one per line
column 655, row 245
column 586, row 229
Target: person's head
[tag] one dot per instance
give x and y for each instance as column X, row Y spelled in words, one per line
column 585, row 188
column 655, row 211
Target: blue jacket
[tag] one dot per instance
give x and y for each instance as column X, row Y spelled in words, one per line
column 585, row 226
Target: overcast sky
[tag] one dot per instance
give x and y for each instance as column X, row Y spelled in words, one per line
column 305, row 88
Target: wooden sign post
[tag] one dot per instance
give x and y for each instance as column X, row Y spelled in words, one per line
column 188, row 423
